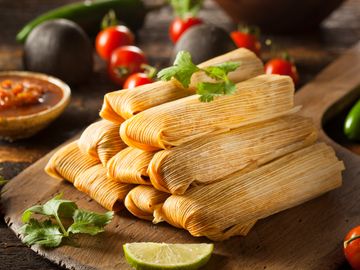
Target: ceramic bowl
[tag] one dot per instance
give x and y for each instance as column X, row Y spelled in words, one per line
column 280, row 16
column 24, row 126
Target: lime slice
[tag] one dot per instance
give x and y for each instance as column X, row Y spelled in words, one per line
column 167, row 256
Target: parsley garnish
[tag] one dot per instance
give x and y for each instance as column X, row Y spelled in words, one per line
column 51, row 232
column 184, row 68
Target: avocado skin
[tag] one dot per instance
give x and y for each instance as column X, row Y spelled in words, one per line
column 59, row 48
column 204, row 42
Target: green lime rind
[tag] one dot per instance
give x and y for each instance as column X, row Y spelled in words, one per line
column 140, row 264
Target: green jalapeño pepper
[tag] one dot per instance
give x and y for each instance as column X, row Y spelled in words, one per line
column 89, row 13
column 352, row 123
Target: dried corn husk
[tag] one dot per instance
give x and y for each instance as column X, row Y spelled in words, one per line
column 95, row 183
column 216, row 209
column 174, row 123
column 68, row 162
column 101, row 140
column 208, row 159
column 130, row 166
column 123, row 104
column 141, row 201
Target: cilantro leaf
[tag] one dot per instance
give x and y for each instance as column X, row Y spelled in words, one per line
column 89, row 222
column 2, row 181
column 182, row 70
column 56, row 207
column 220, row 72
column 228, row 66
column 51, row 234
column 215, row 72
column 208, row 91
column 43, row 233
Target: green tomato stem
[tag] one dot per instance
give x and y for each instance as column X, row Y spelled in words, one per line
column 150, row 71
column 347, row 242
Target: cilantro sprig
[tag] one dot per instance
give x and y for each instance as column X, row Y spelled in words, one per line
column 2, row 181
column 57, row 212
column 184, row 68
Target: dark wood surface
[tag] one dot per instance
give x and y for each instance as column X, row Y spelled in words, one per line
column 311, row 51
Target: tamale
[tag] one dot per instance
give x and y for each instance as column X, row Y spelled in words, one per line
column 174, row 123
column 101, row 140
column 95, row 183
column 130, row 166
column 123, row 104
column 210, row 158
column 68, row 162
column 215, row 210
column 142, row 200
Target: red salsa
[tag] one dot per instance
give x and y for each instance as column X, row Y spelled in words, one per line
column 24, row 96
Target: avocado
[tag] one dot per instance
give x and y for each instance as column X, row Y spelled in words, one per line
column 204, row 42
column 59, row 48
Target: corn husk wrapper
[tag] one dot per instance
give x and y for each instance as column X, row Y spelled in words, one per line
column 101, row 140
column 142, row 200
column 174, row 123
column 208, row 159
column 130, row 166
column 68, row 162
column 123, row 104
column 95, row 183
column 217, row 209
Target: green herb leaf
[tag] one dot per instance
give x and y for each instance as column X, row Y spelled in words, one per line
column 51, row 234
column 229, row 88
column 228, row 66
column 2, row 181
column 90, row 222
column 182, row 70
column 208, row 91
column 43, row 233
column 56, row 207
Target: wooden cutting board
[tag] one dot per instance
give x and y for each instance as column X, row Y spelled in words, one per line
column 305, row 237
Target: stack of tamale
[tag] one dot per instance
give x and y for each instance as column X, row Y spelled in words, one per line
column 211, row 168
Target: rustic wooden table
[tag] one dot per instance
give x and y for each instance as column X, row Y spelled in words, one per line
column 312, row 52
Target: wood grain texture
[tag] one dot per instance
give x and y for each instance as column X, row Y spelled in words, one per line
column 311, row 51
column 305, row 237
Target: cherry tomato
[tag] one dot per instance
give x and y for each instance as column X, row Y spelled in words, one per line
column 111, row 38
column 282, row 67
column 137, row 79
column 125, row 61
column 179, row 26
column 246, row 40
column 352, row 247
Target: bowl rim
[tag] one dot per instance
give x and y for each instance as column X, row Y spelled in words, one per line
column 65, row 88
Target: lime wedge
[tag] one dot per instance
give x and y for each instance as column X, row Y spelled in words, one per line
column 167, row 256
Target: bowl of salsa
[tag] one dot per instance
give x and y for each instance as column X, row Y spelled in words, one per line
column 29, row 102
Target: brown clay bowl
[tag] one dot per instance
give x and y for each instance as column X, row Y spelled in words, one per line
column 280, row 16
column 19, row 127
